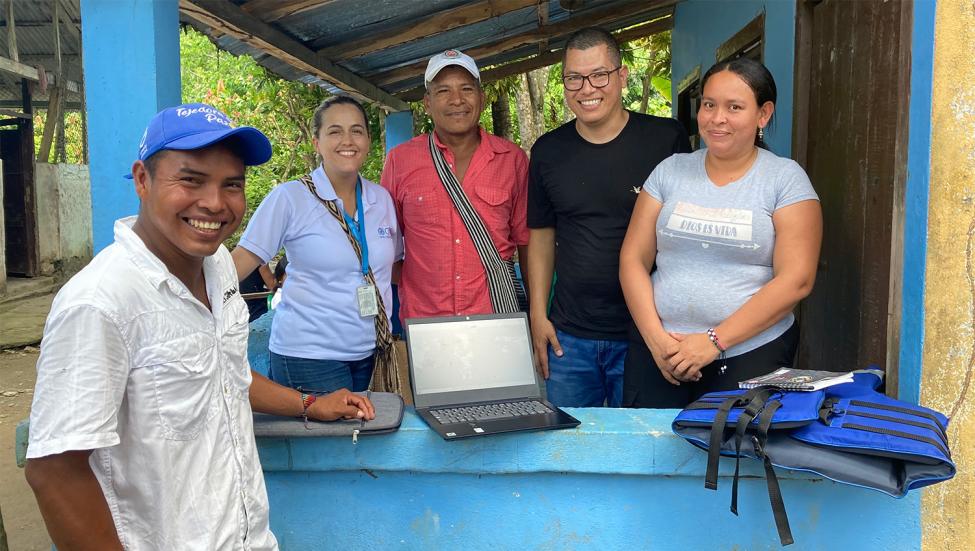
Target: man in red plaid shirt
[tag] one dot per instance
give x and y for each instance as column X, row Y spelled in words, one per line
column 442, row 274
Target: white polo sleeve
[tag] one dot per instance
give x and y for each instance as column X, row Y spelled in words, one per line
column 81, row 377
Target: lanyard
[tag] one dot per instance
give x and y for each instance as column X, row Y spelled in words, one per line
column 359, row 228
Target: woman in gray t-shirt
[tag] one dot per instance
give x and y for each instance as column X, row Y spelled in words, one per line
column 734, row 231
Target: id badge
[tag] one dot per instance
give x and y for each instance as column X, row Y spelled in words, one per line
column 366, row 296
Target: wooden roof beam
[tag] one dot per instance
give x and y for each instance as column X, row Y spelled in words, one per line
column 270, row 11
column 20, row 70
column 434, row 24
column 597, row 18
column 231, row 20
column 552, row 57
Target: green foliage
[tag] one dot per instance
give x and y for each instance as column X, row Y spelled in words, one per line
column 282, row 109
column 72, row 136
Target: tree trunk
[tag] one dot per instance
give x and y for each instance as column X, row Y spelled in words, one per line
column 501, row 117
column 531, row 106
column 645, row 98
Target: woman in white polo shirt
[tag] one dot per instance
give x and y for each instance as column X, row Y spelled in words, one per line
column 342, row 238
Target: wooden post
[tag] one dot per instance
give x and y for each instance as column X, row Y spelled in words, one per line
column 11, row 33
column 58, row 115
column 26, row 128
column 50, row 124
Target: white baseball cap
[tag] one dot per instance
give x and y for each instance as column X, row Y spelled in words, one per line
column 446, row 59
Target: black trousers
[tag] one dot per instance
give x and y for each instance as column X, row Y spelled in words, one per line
column 645, row 387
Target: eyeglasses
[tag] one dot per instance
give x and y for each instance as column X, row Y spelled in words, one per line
column 599, row 79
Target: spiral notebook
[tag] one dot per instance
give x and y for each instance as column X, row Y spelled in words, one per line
column 798, row 379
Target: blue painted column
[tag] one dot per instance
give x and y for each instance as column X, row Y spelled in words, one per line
column 131, row 63
column 399, row 129
column 916, row 203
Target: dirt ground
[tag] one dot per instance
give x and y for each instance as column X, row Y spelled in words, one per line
column 25, row 529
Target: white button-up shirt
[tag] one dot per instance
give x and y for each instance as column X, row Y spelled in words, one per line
column 135, row 368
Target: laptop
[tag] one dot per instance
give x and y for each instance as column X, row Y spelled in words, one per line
column 475, row 375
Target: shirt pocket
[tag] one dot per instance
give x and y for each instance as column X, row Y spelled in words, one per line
column 427, row 204
column 498, row 199
column 234, row 345
column 182, row 373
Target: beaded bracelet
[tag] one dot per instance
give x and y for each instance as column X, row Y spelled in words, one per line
column 713, row 337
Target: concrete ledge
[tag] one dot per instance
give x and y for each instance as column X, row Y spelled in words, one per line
column 609, row 441
column 621, row 480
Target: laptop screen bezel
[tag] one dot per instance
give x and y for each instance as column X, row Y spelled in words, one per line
column 435, row 399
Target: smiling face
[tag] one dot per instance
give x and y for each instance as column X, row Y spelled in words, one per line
column 454, row 101
column 729, row 116
column 192, row 202
column 343, row 139
column 594, row 106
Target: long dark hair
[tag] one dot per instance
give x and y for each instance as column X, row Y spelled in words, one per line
column 316, row 119
column 755, row 75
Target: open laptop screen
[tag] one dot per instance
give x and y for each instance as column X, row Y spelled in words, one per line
column 475, row 353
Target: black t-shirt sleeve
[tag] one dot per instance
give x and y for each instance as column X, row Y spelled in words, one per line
column 540, row 212
column 681, row 143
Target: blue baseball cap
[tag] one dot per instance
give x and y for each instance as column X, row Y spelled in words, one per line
column 198, row 125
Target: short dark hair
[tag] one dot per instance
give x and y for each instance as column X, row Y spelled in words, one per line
column 583, row 39
column 755, row 75
column 151, row 161
column 316, row 119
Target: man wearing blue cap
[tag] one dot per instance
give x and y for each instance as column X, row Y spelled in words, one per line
column 141, row 434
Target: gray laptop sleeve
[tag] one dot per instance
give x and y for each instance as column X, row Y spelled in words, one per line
column 389, row 415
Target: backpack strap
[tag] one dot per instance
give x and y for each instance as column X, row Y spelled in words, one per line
column 774, row 491
column 753, row 401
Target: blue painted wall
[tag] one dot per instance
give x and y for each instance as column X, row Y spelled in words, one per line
column 701, row 26
column 399, row 129
column 622, row 480
column 131, row 63
column 916, row 203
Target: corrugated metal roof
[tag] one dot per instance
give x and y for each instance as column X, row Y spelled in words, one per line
column 309, row 41
column 36, row 46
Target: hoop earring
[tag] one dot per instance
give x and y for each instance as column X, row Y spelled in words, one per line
column 761, row 133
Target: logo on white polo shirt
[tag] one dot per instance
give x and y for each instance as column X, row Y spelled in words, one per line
column 385, row 232
column 229, row 293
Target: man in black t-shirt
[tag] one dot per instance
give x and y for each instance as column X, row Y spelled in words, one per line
column 584, row 178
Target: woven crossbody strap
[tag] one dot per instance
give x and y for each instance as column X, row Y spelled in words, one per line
column 385, row 375
column 500, row 274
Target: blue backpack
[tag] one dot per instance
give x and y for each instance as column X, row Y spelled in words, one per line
column 849, row 433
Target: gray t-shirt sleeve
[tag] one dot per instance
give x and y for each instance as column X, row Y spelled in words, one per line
column 793, row 185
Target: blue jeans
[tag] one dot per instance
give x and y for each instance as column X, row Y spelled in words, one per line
column 589, row 373
column 320, row 376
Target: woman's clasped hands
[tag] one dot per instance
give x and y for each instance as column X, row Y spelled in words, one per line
column 680, row 357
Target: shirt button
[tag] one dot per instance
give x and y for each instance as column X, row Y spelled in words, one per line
column 457, row 314
column 457, row 241
column 457, row 276
column 226, row 389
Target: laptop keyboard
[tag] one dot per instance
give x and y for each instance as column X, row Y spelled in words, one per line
column 485, row 412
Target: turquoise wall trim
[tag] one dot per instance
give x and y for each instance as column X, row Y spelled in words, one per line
column 701, row 26
column 622, row 480
column 399, row 128
column 131, row 62
column 916, row 202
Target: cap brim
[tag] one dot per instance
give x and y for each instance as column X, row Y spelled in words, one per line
column 252, row 145
column 451, row 63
